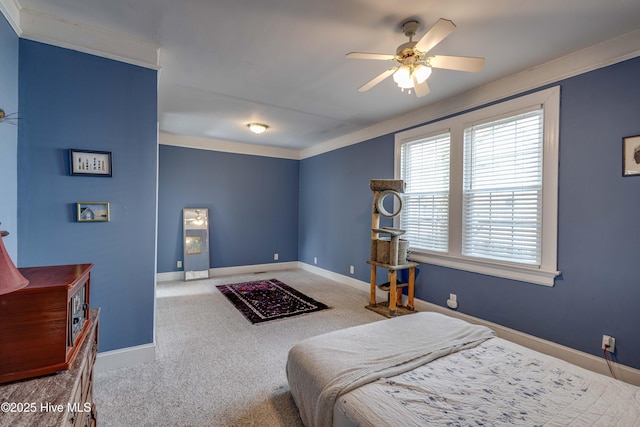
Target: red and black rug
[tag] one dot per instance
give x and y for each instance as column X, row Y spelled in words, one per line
column 270, row 299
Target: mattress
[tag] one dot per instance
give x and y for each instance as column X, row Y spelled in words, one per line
column 488, row 381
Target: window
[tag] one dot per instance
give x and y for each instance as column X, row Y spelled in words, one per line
column 502, row 194
column 481, row 189
column 425, row 212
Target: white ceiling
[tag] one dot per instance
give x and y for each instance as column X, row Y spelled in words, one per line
column 224, row 63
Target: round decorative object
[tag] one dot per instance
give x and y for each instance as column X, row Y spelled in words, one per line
column 380, row 203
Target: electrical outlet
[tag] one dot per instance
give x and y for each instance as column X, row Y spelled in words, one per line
column 275, row 257
column 352, row 269
column 608, row 343
column 315, row 260
column 452, row 302
column 179, row 264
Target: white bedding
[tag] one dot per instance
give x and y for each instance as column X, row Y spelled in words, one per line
column 478, row 380
column 496, row 383
column 321, row 368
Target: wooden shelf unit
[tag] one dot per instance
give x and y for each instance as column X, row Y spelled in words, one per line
column 395, row 297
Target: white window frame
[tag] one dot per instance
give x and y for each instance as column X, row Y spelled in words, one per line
column 549, row 100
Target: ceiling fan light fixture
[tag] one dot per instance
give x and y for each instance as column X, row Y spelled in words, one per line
column 257, row 128
column 415, row 66
column 422, row 73
column 198, row 220
column 405, row 73
column 402, row 77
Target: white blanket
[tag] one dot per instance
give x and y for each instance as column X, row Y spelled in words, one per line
column 321, row 368
column 496, row 383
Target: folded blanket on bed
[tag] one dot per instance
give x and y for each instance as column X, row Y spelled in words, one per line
column 321, row 368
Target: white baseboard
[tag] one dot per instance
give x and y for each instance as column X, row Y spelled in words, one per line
column 124, row 357
column 170, row 276
column 346, row 280
column 228, row 271
column 250, row 269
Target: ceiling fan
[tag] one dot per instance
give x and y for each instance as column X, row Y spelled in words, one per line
column 415, row 63
column 198, row 220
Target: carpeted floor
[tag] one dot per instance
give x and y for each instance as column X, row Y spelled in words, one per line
column 213, row 368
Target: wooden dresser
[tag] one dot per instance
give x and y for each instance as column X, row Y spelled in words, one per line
column 62, row 399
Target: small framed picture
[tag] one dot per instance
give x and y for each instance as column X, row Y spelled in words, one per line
column 193, row 245
column 91, row 163
column 93, row 211
column 631, row 155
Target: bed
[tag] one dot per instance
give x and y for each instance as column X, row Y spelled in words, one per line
column 430, row 369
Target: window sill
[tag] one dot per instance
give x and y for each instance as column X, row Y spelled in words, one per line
column 533, row 275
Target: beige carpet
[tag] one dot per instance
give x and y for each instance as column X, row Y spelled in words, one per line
column 213, row 367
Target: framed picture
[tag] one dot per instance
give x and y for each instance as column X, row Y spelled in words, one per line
column 92, row 163
column 631, row 155
column 93, row 212
column 193, row 245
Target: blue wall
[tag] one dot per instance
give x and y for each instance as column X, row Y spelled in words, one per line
column 252, row 202
column 318, row 207
column 335, row 205
column 9, row 137
column 598, row 236
column 74, row 100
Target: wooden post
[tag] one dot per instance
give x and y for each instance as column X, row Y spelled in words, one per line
column 412, row 283
column 375, row 224
column 393, row 297
column 372, row 291
column 394, row 247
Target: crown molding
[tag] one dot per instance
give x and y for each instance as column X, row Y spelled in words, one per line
column 52, row 30
column 11, row 11
column 600, row 55
column 42, row 27
column 227, row 146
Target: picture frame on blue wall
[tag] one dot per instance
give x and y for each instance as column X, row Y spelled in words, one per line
column 93, row 212
column 90, row 163
column 631, row 155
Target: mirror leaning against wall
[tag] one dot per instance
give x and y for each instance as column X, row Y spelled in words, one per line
column 195, row 225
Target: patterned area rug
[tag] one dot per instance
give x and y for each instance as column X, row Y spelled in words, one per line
column 266, row 300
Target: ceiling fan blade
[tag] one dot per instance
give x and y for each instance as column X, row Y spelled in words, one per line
column 435, row 35
column 362, row 55
column 421, row 89
column 459, row 63
column 377, row 79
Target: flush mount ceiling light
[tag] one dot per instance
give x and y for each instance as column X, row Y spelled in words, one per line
column 257, row 128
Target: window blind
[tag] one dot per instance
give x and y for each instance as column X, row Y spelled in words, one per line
column 425, row 213
column 502, row 193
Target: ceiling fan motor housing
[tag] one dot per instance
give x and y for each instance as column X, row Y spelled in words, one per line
column 410, row 28
column 406, row 52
